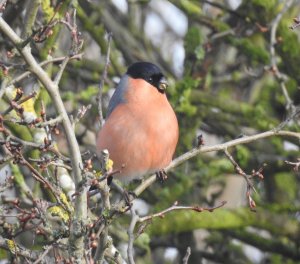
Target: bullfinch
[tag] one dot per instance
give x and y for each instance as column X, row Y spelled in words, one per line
column 141, row 128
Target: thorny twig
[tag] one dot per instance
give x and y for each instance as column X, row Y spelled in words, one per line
column 104, row 189
column 296, row 23
column 247, row 177
column 2, row 5
column 45, row 162
column 18, row 250
column 44, row 63
column 15, row 152
column 136, row 219
column 7, row 183
column 13, row 140
column 80, row 114
column 44, row 254
column 41, row 34
column 176, row 207
column 76, row 44
column 47, row 129
column 295, row 165
column 16, row 104
column 52, row 123
column 292, row 116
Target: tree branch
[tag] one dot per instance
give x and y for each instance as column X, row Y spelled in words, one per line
column 134, row 219
column 44, row 63
column 76, row 160
column 31, row 12
column 16, row 249
column 269, row 245
column 273, row 41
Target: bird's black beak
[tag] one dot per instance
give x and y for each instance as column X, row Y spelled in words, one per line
column 162, row 85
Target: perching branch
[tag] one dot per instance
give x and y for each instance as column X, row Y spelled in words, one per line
column 196, row 151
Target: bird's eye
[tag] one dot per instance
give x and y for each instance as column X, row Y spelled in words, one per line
column 150, row 80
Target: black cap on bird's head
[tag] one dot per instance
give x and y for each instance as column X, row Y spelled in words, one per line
column 150, row 73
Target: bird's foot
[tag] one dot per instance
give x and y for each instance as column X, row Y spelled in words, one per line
column 109, row 179
column 128, row 197
column 161, row 175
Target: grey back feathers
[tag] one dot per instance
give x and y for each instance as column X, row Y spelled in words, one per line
column 118, row 96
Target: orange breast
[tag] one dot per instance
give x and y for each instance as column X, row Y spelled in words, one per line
column 141, row 135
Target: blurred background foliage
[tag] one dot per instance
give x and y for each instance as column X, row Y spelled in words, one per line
column 216, row 55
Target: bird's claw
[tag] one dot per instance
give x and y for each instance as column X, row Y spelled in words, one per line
column 109, row 179
column 127, row 198
column 161, row 175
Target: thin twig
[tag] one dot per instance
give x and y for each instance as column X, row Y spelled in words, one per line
column 44, row 254
column 103, row 230
column 103, row 78
column 134, row 219
column 295, row 165
column 23, row 100
column 18, row 250
column 2, row 6
column 296, row 23
column 239, row 170
column 176, row 207
column 50, row 122
column 99, row 255
column 80, row 114
column 247, row 178
column 44, row 63
column 51, row 162
column 292, row 116
column 22, row 142
column 48, row 140
column 224, row 8
column 62, row 67
column 273, row 41
column 185, row 260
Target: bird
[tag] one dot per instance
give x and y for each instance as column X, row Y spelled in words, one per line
column 141, row 128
